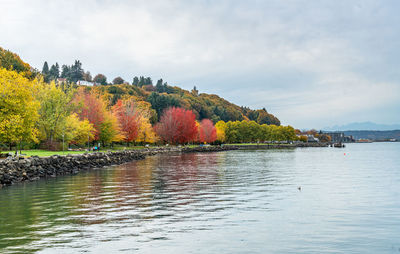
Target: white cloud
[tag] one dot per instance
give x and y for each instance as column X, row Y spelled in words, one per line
column 301, row 60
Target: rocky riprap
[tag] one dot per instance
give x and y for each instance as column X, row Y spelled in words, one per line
column 19, row 169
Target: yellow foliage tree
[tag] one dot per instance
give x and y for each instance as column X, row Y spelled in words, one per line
column 220, row 126
column 110, row 130
column 146, row 132
column 55, row 107
column 18, row 108
column 76, row 131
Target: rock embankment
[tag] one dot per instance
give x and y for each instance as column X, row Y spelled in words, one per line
column 19, row 169
column 276, row 146
column 201, row 149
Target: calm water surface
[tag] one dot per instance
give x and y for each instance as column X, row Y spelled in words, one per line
column 227, row 202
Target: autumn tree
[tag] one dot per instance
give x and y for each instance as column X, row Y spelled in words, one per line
column 134, row 121
column 325, row 138
column 76, row 131
column 128, row 118
column 110, row 130
column 118, row 81
column 55, row 107
column 90, row 106
column 177, row 126
column 18, row 108
column 100, row 79
column 146, row 133
column 220, row 127
column 303, row 138
column 208, row 132
column 12, row 61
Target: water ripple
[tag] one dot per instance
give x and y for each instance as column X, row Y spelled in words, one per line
column 228, row 202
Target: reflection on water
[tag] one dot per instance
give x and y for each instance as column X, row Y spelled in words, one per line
column 227, row 202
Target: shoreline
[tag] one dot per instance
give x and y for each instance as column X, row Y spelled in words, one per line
column 26, row 169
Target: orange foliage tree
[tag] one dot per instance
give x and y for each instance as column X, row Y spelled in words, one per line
column 177, row 126
column 128, row 119
column 92, row 108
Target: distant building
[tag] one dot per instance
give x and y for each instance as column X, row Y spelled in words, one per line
column 339, row 137
column 311, row 138
column 85, row 83
column 61, row 80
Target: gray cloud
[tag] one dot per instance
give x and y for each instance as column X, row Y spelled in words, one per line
column 313, row 64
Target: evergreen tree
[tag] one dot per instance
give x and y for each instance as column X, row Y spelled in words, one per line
column 195, row 92
column 159, row 86
column 148, row 81
column 76, row 72
column 141, row 81
column 135, row 81
column 45, row 69
column 45, row 72
column 54, row 72
column 65, row 71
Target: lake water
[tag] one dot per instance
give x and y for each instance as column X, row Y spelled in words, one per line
column 226, row 202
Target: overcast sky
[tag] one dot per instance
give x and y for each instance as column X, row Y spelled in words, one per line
column 311, row 63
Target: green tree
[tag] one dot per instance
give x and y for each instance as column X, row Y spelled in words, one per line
column 159, row 86
column 54, row 72
column 76, row 72
column 55, row 107
column 45, row 72
column 45, row 69
column 135, row 81
column 65, row 71
column 161, row 102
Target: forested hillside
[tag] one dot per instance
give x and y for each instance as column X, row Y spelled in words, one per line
column 160, row 96
column 67, row 105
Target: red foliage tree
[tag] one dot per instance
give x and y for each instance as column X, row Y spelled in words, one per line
column 177, row 126
column 128, row 119
column 92, row 108
column 208, row 133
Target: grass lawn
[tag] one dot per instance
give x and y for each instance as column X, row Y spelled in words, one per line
column 45, row 153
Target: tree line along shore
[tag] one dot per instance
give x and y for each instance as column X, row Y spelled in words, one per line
column 40, row 111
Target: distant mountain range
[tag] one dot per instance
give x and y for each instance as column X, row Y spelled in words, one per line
column 370, row 126
column 374, row 135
